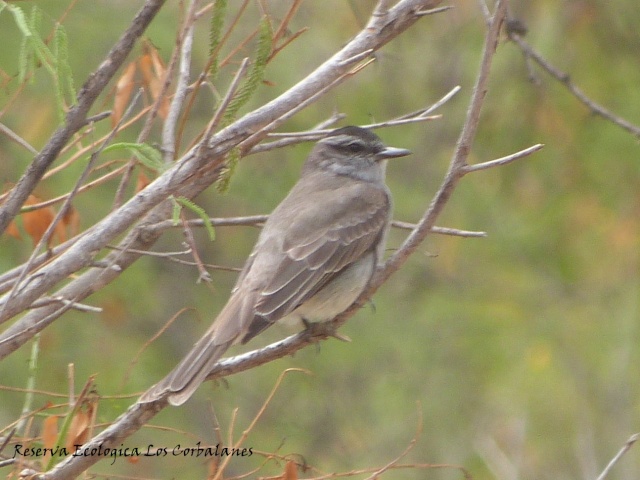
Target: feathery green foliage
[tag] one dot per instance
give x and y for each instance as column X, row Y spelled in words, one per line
column 242, row 96
column 146, row 154
column 34, row 52
column 183, row 202
column 63, row 69
column 215, row 33
column 224, row 180
column 255, row 75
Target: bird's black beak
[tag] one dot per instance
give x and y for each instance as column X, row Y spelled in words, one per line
column 392, row 152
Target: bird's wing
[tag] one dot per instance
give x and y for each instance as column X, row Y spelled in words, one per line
column 319, row 241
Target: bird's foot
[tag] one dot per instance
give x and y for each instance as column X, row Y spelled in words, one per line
column 323, row 328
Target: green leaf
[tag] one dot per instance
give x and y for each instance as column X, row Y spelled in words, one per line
column 34, row 52
column 146, row 154
column 63, row 69
column 215, row 33
column 224, row 180
column 20, row 19
column 25, row 54
column 255, row 75
column 198, row 210
column 175, row 214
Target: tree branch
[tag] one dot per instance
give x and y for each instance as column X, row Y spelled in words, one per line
column 565, row 79
column 625, row 448
column 76, row 118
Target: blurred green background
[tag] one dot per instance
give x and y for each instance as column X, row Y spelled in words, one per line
column 519, row 351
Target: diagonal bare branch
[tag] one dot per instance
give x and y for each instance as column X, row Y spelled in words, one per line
column 530, row 53
column 76, row 117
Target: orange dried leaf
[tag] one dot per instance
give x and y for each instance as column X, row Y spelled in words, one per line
column 36, row 223
column 78, row 430
column 49, row 436
column 142, row 182
column 12, row 229
column 159, row 67
column 124, row 89
column 50, row 431
column 153, row 72
column 290, row 471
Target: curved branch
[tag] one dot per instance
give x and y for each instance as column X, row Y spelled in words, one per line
column 565, row 79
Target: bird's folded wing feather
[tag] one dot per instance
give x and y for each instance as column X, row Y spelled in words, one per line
column 320, row 240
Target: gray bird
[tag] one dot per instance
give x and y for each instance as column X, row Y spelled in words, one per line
column 314, row 257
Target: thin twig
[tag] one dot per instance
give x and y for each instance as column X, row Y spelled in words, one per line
column 203, row 275
column 632, row 439
column 435, row 106
column 282, row 28
column 17, row 138
column 172, row 257
column 404, row 453
column 184, row 70
column 254, row 421
column 565, row 79
column 504, row 160
column 250, row 143
column 485, row 11
column 433, row 11
column 289, row 138
column 258, row 220
column 231, row 91
column 74, row 305
column 454, row 232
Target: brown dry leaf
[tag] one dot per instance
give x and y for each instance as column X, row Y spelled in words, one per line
column 71, row 220
column 114, row 311
column 78, row 430
column 124, row 89
column 49, row 436
column 12, row 229
column 290, row 471
column 153, row 73
column 142, row 182
column 36, row 223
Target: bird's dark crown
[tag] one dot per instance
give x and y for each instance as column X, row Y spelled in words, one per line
column 354, row 140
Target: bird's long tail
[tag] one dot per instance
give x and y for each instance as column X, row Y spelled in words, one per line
column 187, row 376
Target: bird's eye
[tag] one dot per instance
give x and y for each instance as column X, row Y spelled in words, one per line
column 354, row 147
